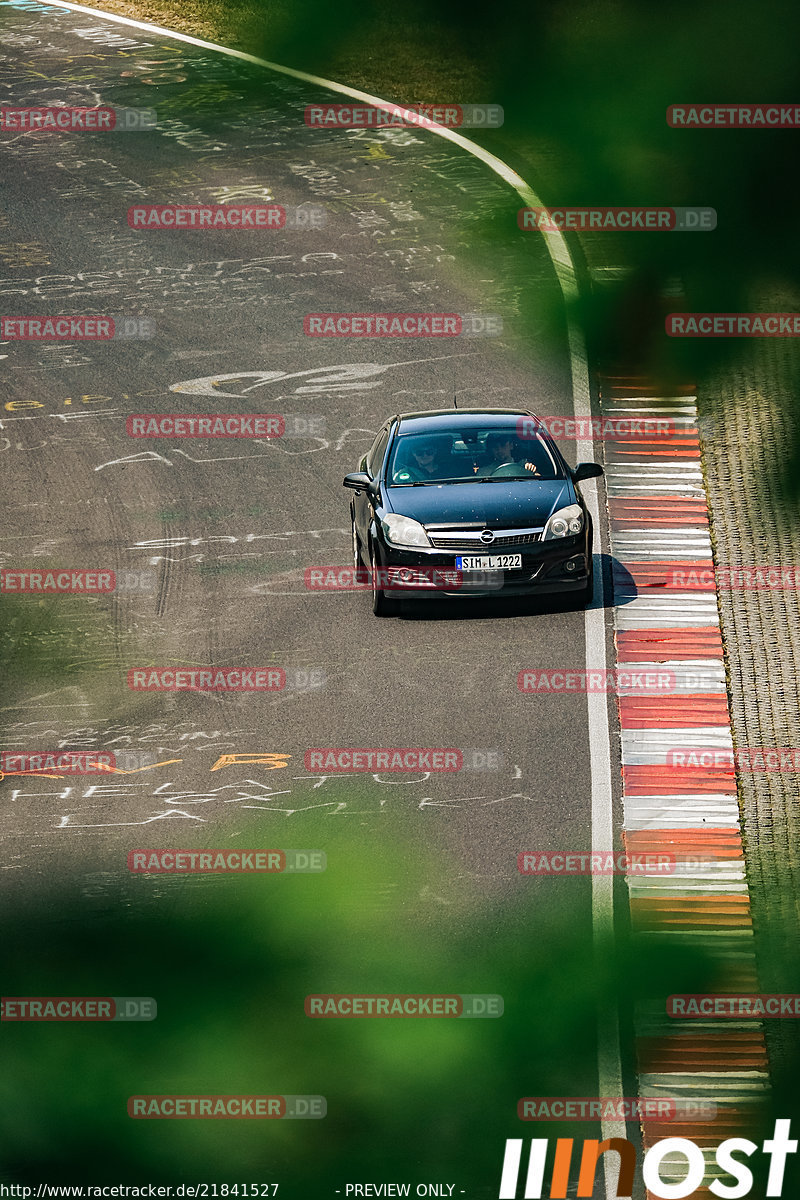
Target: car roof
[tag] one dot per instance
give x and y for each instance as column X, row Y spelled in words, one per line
column 443, row 420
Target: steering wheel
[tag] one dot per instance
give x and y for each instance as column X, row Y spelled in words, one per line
column 500, row 466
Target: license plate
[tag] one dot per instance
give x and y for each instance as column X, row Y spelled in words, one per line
column 488, row 562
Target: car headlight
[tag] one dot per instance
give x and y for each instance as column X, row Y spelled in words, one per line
column 564, row 523
column 403, row 532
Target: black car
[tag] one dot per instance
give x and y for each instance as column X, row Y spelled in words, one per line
column 469, row 502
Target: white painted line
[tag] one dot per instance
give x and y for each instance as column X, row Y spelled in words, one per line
column 704, row 737
column 635, row 615
column 658, row 739
column 651, row 889
column 677, row 548
column 703, row 883
column 671, row 470
column 655, row 404
column 651, row 491
column 654, row 756
column 692, row 678
column 741, row 1089
column 656, row 538
column 702, row 602
column 688, row 534
column 637, row 410
column 656, row 400
column 647, row 819
column 626, row 474
column 693, row 863
column 638, row 552
column 706, row 883
column 711, row 804
column 635, row 482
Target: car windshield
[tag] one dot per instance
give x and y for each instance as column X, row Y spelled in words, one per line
column 483, row 454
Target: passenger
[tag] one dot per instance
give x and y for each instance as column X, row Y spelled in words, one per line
column 426, row 461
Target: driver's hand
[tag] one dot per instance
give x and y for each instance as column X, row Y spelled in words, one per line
column 529, row 466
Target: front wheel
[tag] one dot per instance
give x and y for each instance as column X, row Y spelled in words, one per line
column 380, row 605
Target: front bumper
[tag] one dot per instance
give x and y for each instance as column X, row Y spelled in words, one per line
column 544, row 571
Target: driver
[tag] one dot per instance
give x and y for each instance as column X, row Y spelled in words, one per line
column 503, row 448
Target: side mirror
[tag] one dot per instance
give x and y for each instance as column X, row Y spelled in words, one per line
column 359, row 481
column 586, row 471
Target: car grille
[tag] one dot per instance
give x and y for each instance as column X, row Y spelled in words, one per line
column 469, row 540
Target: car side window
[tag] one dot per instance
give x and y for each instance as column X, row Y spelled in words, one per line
column 377, row 451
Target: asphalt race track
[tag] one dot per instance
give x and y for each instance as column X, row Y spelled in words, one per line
column 215, row 535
